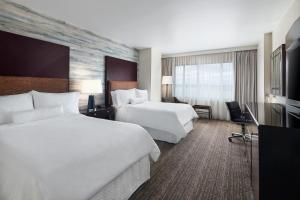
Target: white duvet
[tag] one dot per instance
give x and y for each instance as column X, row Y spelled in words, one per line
column 168, row 117
column 68, row 157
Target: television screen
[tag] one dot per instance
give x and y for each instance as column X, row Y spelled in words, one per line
column 294, row 71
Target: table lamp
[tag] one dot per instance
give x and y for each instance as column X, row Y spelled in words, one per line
column 91, row 87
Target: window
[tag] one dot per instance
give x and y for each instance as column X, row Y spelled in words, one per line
column 208, row 84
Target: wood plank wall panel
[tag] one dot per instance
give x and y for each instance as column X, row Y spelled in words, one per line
column 87, row 50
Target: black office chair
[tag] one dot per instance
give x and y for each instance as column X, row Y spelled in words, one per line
column 238, row 117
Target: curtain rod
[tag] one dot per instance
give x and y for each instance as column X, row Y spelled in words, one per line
column 213, row 51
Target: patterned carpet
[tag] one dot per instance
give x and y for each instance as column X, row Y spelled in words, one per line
column 203, row 166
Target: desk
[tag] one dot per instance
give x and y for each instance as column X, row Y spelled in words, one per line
column 274, row 151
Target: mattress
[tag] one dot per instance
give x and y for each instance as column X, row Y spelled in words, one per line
column 165, row 121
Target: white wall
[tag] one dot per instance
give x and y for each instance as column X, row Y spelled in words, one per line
column 265, row 49
column 260, row 72
column 264, row 52
column 155, row 75
column 280, row 32
column 149, row 72
column 144, row 69
column 267, row 62
column 285, row 23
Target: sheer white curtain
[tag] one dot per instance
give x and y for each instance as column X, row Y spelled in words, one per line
column 206, row 80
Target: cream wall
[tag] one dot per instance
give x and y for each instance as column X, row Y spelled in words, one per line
column 260, row 72
column 265, row 49
column 156, row 75
column 149, row 72
column 263, row 67
column 280, row 32
column 144, row 69
column 267, row 62
column 285, row 23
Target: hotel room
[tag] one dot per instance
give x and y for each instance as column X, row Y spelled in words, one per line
column 162, row 99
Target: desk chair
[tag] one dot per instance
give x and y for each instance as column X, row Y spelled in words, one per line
column 238, row 117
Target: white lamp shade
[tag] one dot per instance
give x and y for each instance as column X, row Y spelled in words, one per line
column 167, row 80
column 91, row 87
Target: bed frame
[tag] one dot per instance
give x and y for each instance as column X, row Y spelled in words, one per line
column 10, row 85
column 30, row 64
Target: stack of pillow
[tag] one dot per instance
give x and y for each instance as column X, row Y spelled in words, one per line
column 132, row 96
column 35, row 105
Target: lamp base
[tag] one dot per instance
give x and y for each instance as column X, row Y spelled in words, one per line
column 91, row 103
column 167, row 90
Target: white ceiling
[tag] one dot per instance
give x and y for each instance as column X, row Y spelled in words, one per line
column 170, row 25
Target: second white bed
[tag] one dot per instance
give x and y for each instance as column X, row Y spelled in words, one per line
column 168, row 122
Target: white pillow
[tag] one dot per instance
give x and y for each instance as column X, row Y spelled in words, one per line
column 14, row 103
column 5, row 117
column 122, row 97
column 142, row 94
column 69, row 100
column 37, row 114
column 137, row 100
column 132, row 93
column 114, row 98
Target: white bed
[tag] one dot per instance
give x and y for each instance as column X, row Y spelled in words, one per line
column 168, row 122
column 72, row 157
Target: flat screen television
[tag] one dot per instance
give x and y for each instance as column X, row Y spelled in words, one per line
column 293, row 86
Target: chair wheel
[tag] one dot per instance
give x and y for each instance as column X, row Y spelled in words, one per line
column 229, row 139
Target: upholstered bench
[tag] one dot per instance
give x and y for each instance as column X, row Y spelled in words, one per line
column 203, row 110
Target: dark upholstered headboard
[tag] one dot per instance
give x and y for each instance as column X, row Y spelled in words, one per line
column 118, row 70
column 30, row 64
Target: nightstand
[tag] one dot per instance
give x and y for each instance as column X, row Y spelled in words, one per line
column 103, row 113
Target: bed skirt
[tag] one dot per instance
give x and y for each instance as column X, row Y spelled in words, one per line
column 122, row 187
column 166, row 136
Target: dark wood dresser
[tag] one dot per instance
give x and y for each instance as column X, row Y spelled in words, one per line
column 274, row 150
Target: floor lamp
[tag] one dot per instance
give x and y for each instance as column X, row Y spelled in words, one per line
column 167, row 80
